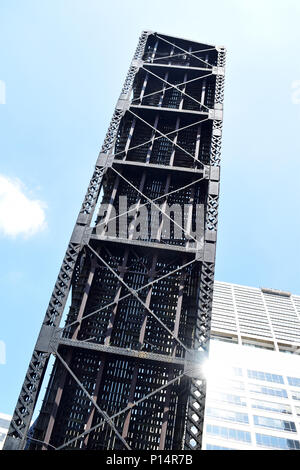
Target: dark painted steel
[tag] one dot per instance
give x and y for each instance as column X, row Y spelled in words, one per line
column 127, row 373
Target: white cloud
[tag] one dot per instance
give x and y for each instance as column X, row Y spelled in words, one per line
column 19, row 215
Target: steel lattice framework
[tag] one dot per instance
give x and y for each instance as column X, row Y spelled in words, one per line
column 126, row 372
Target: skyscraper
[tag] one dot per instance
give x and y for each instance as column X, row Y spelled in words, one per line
column 253, row 374
column 4, row 425
column 140, row 275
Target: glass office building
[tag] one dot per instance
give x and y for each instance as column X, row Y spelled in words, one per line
column 4, row 425
column 253, row 371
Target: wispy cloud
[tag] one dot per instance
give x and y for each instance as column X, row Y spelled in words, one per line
column 19, row 215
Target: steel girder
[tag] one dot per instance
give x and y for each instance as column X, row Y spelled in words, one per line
column 127, row 373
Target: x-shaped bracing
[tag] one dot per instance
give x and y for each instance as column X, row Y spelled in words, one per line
column 103, row 413
column 134, row 293
column 184, row 51
column 105, row 223
column 156, row 280
column 171, row 85
column 166, row 136
column 161, row 136
column 150, row 201
column 111, row 304
column 109, row 419
column 174, row 86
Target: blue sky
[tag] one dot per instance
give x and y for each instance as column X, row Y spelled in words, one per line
column 62, row 63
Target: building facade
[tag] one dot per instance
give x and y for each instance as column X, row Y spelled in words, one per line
column 4, row 425
column 140, row 273
column 253, row 373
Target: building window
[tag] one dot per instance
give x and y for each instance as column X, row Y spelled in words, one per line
column 294, row 381
column 266, row 376
column 273, row 423
column 228, row 433
column 4, row 423
column 214, row 447
column 227, row 415
column 271, row 406
column 227, row 398
column 224, row 339
column 237, row 371
column 288, row 351
column 277, row 442
column 260, row 346
column 229, row 384
column 295, row 395
column 275, row 392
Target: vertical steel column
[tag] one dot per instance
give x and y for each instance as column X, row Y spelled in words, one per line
column 196, row 402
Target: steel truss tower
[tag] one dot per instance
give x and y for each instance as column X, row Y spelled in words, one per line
column 127, row 361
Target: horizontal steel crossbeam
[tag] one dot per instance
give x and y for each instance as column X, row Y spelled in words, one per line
column 114, row 350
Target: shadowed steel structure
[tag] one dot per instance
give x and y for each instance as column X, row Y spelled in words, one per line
column 127, row 370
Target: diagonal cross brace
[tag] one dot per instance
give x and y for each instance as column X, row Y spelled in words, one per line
column 164, row 135
column 181, row 49
column 173, row 86
column 161, row 136
column 129, row 294
column 104, row 223
column 184, row 53
column 176, row 88
column 133, row 292
column 129, row 407
column 103, row 413
column 156, row 206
